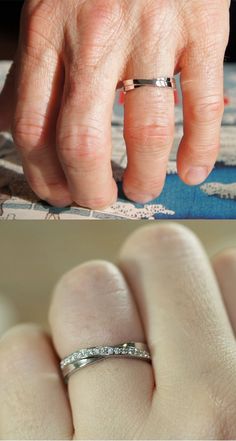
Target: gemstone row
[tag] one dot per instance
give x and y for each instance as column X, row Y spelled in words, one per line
column 104, row 351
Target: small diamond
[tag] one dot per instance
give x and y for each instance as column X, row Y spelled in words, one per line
column 96, row 351
column 110, row 351
column 116, row 351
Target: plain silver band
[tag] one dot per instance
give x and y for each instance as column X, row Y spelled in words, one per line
column 162, row 82
column 84, row 357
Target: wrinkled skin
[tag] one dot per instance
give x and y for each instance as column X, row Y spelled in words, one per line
column 174, row 300
column 73, row 54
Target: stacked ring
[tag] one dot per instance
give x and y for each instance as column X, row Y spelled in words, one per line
column 87, row 356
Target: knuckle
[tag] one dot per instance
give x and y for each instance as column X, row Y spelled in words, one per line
column 46, row 189
column 155, row 137
column 97, row 270
column 38, row 7
column 169, row 240
column 154, row 21
column 40, row 37
column 99, row 24
column 207, row 110
column 86, row 146
column 28, row 134
column 15, row 346
column 102, row 13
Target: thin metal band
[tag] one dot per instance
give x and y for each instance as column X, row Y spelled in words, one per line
column 84, row 357
column 163, row 82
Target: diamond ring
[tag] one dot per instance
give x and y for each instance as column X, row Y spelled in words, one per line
column 84, row 357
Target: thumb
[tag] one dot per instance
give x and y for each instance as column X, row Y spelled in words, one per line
column 7, row 101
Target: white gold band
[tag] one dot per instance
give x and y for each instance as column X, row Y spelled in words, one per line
column 84, row 357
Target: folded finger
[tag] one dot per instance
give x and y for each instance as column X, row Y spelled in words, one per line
column 92, row 64
column 203, row 101
column 39, row 81
column 92, row 305
column 34, row 404
column 182, row 310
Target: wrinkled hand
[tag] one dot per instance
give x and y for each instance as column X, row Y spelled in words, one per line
column 59, row 96
column 172, row 301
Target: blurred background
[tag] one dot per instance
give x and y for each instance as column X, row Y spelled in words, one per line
column 9, row 29
column 34, row 255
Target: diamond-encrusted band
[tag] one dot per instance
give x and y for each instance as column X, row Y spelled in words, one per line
column 163, row 82
column 84, row 357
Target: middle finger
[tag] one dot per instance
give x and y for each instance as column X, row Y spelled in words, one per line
column 92, row 63
column 181, row 306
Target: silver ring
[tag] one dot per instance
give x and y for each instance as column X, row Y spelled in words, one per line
column 84, row 357
column 162, row 82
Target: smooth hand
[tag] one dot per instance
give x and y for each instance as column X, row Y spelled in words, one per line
column 173, row 302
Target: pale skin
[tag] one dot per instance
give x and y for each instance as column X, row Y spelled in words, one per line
column 58, row 98
column 164, row 291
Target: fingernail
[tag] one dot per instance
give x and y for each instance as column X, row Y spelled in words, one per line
column 196, row 175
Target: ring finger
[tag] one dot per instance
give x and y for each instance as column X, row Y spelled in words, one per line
column 184, row 319
column 148, row 123
column 92, row 306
